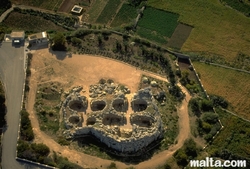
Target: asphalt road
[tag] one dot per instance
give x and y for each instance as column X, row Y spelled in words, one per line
column 12, row 75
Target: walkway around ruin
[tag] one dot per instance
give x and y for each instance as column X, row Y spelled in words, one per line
column 90, row 161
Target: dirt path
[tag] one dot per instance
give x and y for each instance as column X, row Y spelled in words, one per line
column 88, row 70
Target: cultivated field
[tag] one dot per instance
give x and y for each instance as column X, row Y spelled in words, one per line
column 241, row 6
column 67, row 5
column 158, row 22
column 126, row 15
column 217, row 28
column 151, row 35
column 108, row 12
column 31, row 23
column 232, row 85
column 179, row 36
column 95, row 10
column 49, row 5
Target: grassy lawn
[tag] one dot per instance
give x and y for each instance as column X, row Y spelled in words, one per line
column 234, row 86
column 217, row 28
column 29, row 23
column 126, row 15
column 49, row 5
column 159, row 21
column 96, row 9
column 108, row 12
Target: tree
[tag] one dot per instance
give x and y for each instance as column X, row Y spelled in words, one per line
column 181, row 157
column 206, row 105
column 76, row 41
column 59, row 41
column 195, row 107
column 219, row 101
column 5, row 4
column 210, row 117
column 40, row 149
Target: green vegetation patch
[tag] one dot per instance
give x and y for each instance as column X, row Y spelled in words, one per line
column 108, row 12
column 179, row 36
column 96, row 8
column 47, row 107
column 28, row 22
column 151, row 35
column 234, row 86
column 126, row 15
column 159, row 21
column 233, row 140
column 239, row 5
column 2, row 106
column 49, row 5
column 4, row 5
column 212, row 23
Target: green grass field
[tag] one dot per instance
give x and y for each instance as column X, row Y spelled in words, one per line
column 234, row 86
column 49, row 5
column 126, row 15
column 159, row 21
column 217, row 29
column 108, row 12
column 28, row 22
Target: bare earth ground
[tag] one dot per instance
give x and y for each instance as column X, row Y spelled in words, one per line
column 85, row 70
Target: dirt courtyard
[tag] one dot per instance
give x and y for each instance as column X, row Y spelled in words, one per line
column 84, row 70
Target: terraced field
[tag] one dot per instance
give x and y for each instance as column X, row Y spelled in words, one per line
column 179, row 36
column 49, row 5
column 29, row 23
column 157, row 23
column 217, row 29
column 230, row 84
column 108, row 12
column 126, row 15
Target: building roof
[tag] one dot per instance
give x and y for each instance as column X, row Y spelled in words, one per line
column 17, row 34
column 39, row 35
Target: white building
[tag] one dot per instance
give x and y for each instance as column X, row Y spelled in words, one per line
column 38, row 38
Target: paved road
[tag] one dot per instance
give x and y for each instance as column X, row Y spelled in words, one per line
column 12, row 75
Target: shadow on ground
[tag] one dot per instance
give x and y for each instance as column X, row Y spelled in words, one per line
column 60, row 55
column 128, row 158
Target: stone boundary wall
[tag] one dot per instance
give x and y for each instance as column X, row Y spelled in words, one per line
column 179, row 55
column 128, row 145
column 35, row 163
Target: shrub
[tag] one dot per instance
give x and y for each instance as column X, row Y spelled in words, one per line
column 219, row 101
column 59, row 42
column 112, row 166
column 76, row 41
column 181, row 157
column 26, row 128
column 206, row 105
column 40, row 149
column 206, row 126
column 210, row 117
